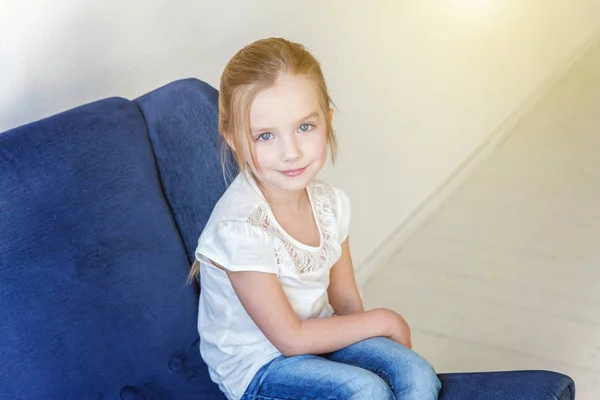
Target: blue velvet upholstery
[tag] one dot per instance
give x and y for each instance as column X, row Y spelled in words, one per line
column 507, row 385
column 100, row 210
column 93, row 296
column 179, row 116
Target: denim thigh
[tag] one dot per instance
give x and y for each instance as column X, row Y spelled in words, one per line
column 315, row 377
column 407, row 374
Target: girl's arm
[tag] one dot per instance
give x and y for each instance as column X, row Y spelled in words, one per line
column 342, row 292
column 263, row 298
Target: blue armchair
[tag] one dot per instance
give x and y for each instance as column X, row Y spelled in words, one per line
column 100, row 210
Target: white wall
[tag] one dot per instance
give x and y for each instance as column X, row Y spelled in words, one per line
column 418, row 84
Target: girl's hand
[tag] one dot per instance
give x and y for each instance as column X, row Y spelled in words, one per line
column 266, row 303
column 397, row 327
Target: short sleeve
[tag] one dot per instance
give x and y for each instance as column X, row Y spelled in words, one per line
column 238, row 246
column 342, row 213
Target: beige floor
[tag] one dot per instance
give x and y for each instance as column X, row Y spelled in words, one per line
column 506, row 275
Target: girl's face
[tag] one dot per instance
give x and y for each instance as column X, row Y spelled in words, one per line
column 288, row 133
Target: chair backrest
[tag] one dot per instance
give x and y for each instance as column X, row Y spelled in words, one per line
column 93, row 296
column 182, row 123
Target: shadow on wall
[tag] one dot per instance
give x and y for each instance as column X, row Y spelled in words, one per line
column 61, row 67
column 64, row 55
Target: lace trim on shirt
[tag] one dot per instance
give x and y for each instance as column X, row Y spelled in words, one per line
column 290, row 255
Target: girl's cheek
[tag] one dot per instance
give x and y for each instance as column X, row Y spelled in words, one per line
column 261, row 156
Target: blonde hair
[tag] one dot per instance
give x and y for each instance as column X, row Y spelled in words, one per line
column 252, row 69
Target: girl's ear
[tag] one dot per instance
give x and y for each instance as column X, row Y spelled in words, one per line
column 330, row 115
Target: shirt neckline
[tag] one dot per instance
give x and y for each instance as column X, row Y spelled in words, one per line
column 252, row 182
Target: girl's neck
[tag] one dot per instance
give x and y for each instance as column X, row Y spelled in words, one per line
column 285, row 201
column 281, row 201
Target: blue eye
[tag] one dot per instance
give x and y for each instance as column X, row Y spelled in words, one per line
column 265, row 136
column 305, row 127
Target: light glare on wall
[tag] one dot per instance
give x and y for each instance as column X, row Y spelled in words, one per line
column 469, row 5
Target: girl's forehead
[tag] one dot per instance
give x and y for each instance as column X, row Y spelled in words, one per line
column 289, row 99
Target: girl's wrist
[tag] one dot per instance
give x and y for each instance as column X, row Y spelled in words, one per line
column 382, row 322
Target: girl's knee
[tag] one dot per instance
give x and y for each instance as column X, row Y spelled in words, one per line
column 410, row 375
column 423, row 381
column 426, row 378
column 368, row 386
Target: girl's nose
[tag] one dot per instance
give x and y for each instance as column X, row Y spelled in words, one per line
column 291, row 150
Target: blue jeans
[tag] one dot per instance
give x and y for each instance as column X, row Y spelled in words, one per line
column 374, row 369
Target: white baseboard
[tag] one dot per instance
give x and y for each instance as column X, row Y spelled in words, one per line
column 421, row 214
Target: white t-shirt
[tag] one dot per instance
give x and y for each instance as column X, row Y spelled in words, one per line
column 243, row 235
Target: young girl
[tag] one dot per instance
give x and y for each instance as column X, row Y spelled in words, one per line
column 280, row 316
